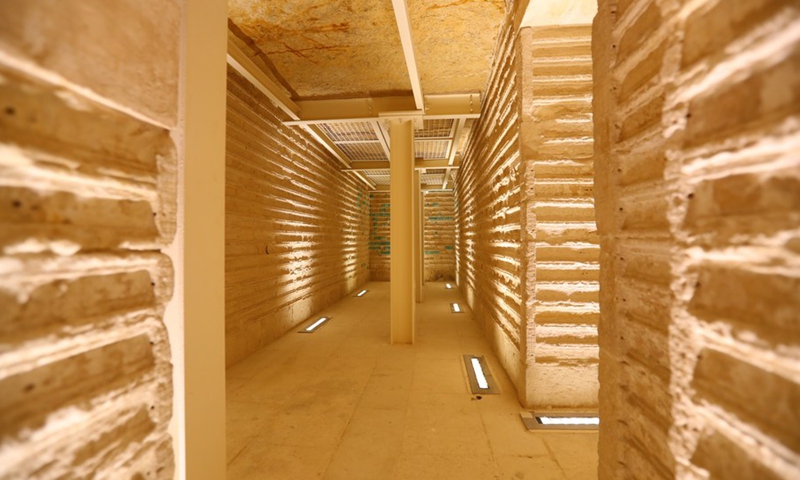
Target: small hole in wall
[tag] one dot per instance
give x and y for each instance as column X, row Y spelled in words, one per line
column 16, row 204
column 690, row 196
column 10, row 111
column 152, row 343
column 29, row 387
column 152, row 284
column 689, row 115
column 266, row 249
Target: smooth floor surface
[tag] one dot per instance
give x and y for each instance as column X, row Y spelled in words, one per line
column 344, row 404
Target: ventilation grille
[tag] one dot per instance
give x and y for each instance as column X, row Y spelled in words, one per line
column 435, row 129
column 432, row 149
column 363, row 152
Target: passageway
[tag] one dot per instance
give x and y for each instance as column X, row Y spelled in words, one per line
column 342, row 403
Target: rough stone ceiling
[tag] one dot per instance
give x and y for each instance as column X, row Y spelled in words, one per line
column 351, row 48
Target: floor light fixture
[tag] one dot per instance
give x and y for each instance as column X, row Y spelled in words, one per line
column 455, row 308
column 480, row 378
column 448, row 286
column 362, row 293
column 314, row 326
column 560, row 421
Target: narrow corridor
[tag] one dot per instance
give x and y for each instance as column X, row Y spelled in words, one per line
column 342, row 403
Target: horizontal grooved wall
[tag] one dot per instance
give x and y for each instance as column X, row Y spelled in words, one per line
column 557, row 148
column 439, row 235
column 490, row 262
column 697, row 111
column 379, row 236
column 87, row 204
column 297, row 228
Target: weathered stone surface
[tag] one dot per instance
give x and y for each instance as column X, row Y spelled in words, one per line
column 439, row 245
column 88, row 181
column 296, row 226
column 124, row 50
column 379, row 236
column 696, row 191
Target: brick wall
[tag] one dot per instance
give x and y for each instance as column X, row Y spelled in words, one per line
column 697, row 108
column 560, row 234
column 379, row 236
column 439, row 235
column 296, row 234
column 87, row 204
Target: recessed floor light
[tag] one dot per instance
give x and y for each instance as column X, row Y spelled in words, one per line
column 560, row 421
column 480, row 378
column 314, row 326
column 362, row 293
column 455, row 308
column 448, row 286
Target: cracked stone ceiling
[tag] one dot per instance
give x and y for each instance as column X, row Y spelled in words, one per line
column 351, row 48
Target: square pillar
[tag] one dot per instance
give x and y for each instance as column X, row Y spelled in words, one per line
column 402, row 231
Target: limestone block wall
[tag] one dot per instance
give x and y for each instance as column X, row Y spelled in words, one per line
column 697, row 111
column 296, row 227
column 87, row 204
column 439, row 236
column 491, row 262
column 561, row 235
column 379, row 236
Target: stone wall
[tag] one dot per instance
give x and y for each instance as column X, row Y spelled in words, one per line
column 526, row 247
column 439, row 236
column 560, row 234
column 697, row 109
column 489, row 214
column 379, row 237
column 296, row 234
column 87, row 205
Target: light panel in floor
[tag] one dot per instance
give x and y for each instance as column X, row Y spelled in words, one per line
column 314, row 326
column 362, row 293
column 560, row 421
column 448, row 286
column 479, row 376
column 455, row 308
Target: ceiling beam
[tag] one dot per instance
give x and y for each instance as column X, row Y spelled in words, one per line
column 242, row 63
column 368, row 109
column 420, row 164
column 376, row 126
column 404, row 28
column 427, row 188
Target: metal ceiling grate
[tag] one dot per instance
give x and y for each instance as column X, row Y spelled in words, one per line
column 432, row 149
column 349, row 132
column 378, row 179
column 428, row 179
column 435, row 129
column 436, row 171
column 363, row 151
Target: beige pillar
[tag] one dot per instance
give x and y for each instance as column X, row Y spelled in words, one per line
column 419, row 246
column 402, row 231
column 204, row 91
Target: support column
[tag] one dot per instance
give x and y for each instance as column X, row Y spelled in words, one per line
column 419, row 246
column 203, row 88
column 401, row 133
